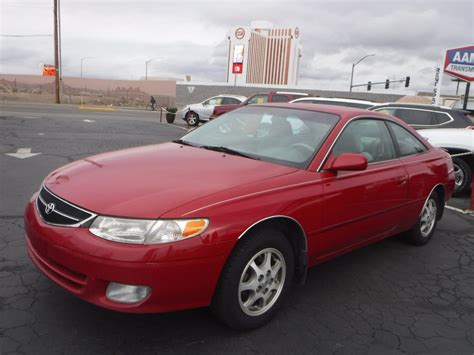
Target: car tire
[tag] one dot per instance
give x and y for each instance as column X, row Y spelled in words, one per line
column 423, row 230
column 192, row 118
column 463, row 176
column 255, row 280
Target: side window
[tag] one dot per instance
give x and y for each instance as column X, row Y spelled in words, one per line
column 369, row 137
column 441, row 117
column 280, row 98
column 258, row 99
column 407, row 143
column 213, row 101
column 415, row 117
column 229, row 101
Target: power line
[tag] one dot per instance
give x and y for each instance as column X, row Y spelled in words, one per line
column 26, row 35
column 27, row 6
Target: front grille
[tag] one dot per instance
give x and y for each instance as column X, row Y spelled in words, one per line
column 57, row 211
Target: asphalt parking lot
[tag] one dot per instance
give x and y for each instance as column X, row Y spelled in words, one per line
column 388, row 298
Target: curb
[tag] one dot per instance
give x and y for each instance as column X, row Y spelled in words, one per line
column 96, row 108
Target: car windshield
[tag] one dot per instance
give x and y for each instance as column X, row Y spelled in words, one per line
column 279, row 135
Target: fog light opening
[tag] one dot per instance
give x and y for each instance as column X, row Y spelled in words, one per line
column 126, row 293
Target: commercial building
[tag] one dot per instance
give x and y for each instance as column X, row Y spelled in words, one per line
column 264, row 54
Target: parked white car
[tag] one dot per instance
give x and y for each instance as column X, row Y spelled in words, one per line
column 200, row 112
column 455, row 141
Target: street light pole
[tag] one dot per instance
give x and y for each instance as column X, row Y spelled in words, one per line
column 353, row 66
column 146, row 66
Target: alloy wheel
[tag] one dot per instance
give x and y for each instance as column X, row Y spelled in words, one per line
column 262, row 281
column 428, row 218
column 459, row 176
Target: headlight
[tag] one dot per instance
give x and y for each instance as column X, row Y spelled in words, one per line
column 146, row 231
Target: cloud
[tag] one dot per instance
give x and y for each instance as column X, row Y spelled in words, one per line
column 407, row 37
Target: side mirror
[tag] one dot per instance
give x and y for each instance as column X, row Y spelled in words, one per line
column 349, row 162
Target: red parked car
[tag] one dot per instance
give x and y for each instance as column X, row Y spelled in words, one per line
column 277, row 189
column 261, row 98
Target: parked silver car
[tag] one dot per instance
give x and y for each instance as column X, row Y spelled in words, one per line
column 200, row 112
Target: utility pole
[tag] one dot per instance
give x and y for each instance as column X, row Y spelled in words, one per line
column 56, row 53
column 353, row 66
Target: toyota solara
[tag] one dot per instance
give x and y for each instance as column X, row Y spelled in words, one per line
column 233, row 213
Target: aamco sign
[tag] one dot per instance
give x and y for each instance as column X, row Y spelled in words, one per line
column 459, row 62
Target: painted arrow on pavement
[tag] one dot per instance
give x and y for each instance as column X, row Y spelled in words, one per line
column 22, row 153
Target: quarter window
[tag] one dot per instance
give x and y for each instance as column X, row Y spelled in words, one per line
column 441, row 117
column 368, row 137
column 407, row 143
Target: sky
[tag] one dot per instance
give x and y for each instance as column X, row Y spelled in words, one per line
column 114, row 38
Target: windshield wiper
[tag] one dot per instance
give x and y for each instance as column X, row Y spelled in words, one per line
column 180, row 141
column 229, row 151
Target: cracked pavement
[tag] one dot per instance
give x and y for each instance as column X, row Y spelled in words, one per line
column 388, row 298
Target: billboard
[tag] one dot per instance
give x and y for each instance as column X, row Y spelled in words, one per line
column 49, row 70
column 238, row 54
column 459, row 62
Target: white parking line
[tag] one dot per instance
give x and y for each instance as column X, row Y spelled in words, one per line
column 86, row 120
column 469, row 212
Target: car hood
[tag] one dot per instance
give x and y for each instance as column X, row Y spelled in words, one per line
column 460, row 138
column 148, row 181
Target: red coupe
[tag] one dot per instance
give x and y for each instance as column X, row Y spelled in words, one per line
column 234, row 213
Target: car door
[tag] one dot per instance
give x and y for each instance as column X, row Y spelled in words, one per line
column 208, row 107
column 362, row 205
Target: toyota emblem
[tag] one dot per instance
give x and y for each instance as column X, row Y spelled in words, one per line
column 49, row 208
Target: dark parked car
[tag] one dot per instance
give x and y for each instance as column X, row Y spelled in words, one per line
column 426, row 116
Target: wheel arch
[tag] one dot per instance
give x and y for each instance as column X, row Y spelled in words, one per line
column 295, row 234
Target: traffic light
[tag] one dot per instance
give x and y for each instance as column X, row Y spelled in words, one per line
column 407, row 81
column 369, row 86
column 387, row 84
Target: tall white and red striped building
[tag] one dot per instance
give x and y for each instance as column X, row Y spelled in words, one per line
column 264, row 54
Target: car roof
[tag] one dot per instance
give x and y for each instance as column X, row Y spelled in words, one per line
column 281, row 93
column 411, row 105
column 335, row 99
column 240, row 97
column 341, row 111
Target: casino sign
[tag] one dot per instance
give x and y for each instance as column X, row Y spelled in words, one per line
column 459, row 62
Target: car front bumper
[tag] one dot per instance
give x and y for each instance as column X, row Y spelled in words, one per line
column 175, row 284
